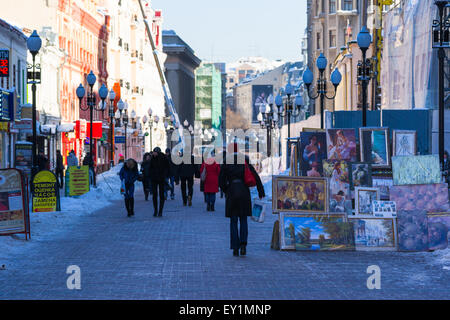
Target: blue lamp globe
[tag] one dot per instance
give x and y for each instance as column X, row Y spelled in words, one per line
column 34, row 43
column 288, row 90
column 91, row 78
column 308, row 77
column 321, row 62
column 364, row 38
column 103, row 92
column 279, row 100
column 336, row 77
column 80, row 91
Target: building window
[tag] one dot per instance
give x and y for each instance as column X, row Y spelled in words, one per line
column 332, row 6
column 332, row 38
column 347, row 5
column 318, row 40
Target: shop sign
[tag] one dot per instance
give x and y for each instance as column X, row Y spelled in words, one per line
column 45, row 192
column 24, row 156
column 78, row 180
column 4, row 63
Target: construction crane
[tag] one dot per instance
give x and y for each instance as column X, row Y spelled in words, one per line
column 162, row 77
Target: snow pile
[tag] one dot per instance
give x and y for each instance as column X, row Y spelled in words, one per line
column 270, row 167
column 45, row 225
column 442, row 257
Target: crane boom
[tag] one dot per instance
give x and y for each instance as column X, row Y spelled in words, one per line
column 162, row 77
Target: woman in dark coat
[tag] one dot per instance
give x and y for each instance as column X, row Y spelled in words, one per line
column 159, row 171
column 238, row 205
column 145, row 169
column 128, row 175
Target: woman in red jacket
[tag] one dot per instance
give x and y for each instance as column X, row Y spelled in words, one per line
column 211, row 181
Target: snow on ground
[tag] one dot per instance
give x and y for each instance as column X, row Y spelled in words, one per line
column 49, row 224
column 270, row 167
column 441, row 257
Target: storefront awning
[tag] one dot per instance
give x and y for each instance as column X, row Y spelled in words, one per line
column 66, row 127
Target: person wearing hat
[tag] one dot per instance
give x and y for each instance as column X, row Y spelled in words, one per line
column 159, row 171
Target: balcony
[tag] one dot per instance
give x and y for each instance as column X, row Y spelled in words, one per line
column 135, row 91
column 134, row 55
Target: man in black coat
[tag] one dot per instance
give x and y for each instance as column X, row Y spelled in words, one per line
column 59, row 168
column 238, row 205
column 146, row 179
column 185, row 173
column 159, row 171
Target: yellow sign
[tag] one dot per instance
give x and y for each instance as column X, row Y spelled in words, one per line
column 45, row 192
column 78, row 180
column 4, row 126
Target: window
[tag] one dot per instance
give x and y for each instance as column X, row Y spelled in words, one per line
column 332, row 38
column 318, row 40
column 347, row 5
column 332, row 6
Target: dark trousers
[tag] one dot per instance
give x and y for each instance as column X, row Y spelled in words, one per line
column 158, row 186
column 170, row 186
column 190, row 186
column 210, row 198
column 60, row 177
column 238, row 237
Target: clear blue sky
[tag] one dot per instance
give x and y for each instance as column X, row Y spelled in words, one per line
column 229, row 29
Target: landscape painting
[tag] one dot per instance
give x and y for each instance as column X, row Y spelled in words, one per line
column 316, row 232
column 412, row 230
column 374, row 232
column 299, row 194
column 341, row 144
column 438, row 230
column 416, row 169
column 427, row 197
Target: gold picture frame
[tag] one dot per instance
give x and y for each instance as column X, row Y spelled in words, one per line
column 367, row 207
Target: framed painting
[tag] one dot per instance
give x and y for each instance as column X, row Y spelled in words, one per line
column 374, row 233
column 360, row 175
column 384, row 209
column 315, row 232
column 312, row 151
column 341, row 144
column 438, row 230
column 364, row 198
column 383, row 183
column 412, row 230
column 339, row 193
column 299, row 194
column 416, row 169
column 374, row 147
column 404, row 142
column 427, row 197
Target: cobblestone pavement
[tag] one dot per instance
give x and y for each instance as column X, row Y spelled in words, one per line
column 185, row 255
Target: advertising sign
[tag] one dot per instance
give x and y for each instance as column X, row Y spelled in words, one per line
column 119, row 139
column 24, row 156
column 13, row 211
column 260, row 93
column 78, row 180
column 45, row 192
column 4, row 63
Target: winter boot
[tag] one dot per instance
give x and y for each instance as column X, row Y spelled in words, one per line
column 236, row 252
column 243, row 249
column 212, row 207
column 161, row 207
column 208, row 207
column 127, row 205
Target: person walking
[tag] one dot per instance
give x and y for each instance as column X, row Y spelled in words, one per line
column 238, row 204
column 211, row 169
column 72, row 159
column 170, row 181
column 185, row 173
column 159, row 170
column 128, row 175
column 146, row 179
column 88, row 161
column 59, row 168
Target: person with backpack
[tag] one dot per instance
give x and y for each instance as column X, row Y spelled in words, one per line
column 209, row 174
column 128, row 175
column 159, row 171
column 234, row 179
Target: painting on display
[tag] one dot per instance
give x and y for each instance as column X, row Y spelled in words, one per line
column 312, row 151
column 383, row 184
column 374, row 147
column 360, row 175
column 412, row 230
column 384, row 208
column 416, row 169
column 341, row 144
column 364, row 198
column 427, row 197
column 339, row 194
column 404, row 142
column 309, row 232
column 373, row 233
column 438, row 230
column 299, row 194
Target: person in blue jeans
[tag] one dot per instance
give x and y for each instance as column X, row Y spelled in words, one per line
column 129, row 175
column 170, row 181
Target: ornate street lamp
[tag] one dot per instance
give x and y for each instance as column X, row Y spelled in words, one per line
column 308, row 77
column 268, row 119
column 34, row 44
column 112, row 96
column 364, row 69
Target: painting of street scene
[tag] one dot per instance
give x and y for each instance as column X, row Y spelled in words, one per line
column 377, row 232
column 317, row 233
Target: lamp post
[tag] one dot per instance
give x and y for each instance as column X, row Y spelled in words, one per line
column 441, row 40
column 112, row 96
column 34, row 44
column 288, row 111
column 308, row 76
column 364, row 69
column 268, row 119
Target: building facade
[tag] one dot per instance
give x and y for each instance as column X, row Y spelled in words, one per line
column 208, row 96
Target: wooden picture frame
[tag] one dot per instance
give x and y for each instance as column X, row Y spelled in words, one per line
column 367, row 210
column 296, row 197
column 360, row 243
column 396, row 143
column 364, row 151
